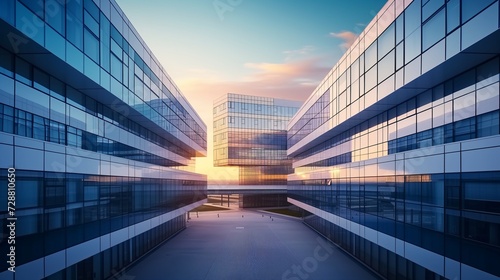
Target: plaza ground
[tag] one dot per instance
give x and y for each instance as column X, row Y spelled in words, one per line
column 246, row 244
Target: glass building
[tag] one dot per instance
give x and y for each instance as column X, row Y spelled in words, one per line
column 101, row 139
column 250, row 132
column 395, row 153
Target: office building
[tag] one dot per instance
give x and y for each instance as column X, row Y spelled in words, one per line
column 396, row 152
column 250, row 132
column 101, row 139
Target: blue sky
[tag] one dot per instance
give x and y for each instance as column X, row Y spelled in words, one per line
column 195, row 41
column 277, row 48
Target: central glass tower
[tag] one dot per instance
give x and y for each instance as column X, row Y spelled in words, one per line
column 250, row 132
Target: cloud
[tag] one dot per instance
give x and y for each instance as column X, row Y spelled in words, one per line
column 347, row 36
column 292, row 54
column 294, row 80
column 290, row 80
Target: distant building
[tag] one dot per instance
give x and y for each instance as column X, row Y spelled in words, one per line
column 250, row 132
column 101, row 140
column 396, row 153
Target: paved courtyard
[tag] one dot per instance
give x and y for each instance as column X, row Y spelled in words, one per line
column 242, row 244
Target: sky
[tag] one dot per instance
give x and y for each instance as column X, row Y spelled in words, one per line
column 274, row 48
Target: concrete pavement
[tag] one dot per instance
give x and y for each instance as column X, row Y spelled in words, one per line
column 241, row 245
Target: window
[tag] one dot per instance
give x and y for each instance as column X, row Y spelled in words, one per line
column 470, row 8
column 116, row 68
column 6, row 63
column 452, row 15
column 431, row 7
column 488, row 124
column 91, row 47
column 386, row 41
column 412, row 17
column 481, row 191
column 23, row 71
column 7, row 11
column 7, row 117
column 25, row 17
column 41, row 80
column 386, row 66
column 433, row 30
column 54, row 15
column 74, row 24
column 371, row 56
column 412, row 45
column 39, row 128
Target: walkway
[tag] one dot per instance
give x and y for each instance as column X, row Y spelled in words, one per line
column 241, row 244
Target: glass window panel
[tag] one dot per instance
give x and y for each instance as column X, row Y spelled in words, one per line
column 464, row 106
column 470, row 8
column 399, row 29
column 407, row 126
column 412, row 70
column 55, row 43
column 32, row 100
column 57, row 89
column 23, row 71
column 453, row 43
column 412, row 17
column 75, row 9
column 399, row 56
column 371, row 78
column 481, row 192
column 480, row 26
column 74, row 57
column 433, row 30
column 41, row 80
column 371, row 56
column 386, row 41
column 74, row 30
column 91, row 23
column 465, row 129
column 452, row 15
column 430, row 7
column 433, row 56
column 54, row 15
column 75, row 98
column 57, row 109
column 92, row 8
column 488, row 124
column 116, row 49
column 116, row 67
column 91, row 69
column 386, row 66
column 32, row 194
column 487, row 99
column 35, row 6
column 355, row 70
column 413, row 213
column 6, row 62
column 412, row 45
column 433, row 218
column 487, row 73
column 91, row 46
column 7, row 11
column 433, row 190
column 424, row 120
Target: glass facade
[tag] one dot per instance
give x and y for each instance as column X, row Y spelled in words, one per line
column 101, row 139
column 250, row 132
column 394, row 153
